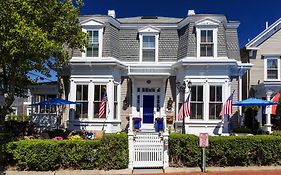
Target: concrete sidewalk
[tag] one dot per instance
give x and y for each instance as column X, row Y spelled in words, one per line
column 170, row 170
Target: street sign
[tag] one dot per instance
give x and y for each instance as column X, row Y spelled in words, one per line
column 203, row 140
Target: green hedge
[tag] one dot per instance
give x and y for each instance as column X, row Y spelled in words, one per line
column 226, row 151
column 109, row 153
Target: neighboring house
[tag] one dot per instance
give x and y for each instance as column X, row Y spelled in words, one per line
column 44, row 117
column 264, row 52
column 137, row 62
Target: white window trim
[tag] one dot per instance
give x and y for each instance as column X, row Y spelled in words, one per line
column 156, row 35
column 206, row 98
column 215, row 40
column 265, row 69
column 100, row 30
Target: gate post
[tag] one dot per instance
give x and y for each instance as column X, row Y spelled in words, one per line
column 131, row 143
column 166, row 150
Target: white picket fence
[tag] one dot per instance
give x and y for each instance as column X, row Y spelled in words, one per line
column 148, row 150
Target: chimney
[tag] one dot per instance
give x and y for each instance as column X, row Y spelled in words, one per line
column 266, row 24
column 111, row 13
column 190, row 12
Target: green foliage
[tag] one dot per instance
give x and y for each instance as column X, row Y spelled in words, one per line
column 109, row 153
column 276, row 133
column 58, row 132
column 226, row 151
column 184, row 150
column 18, row 118
column 250, row 120
column 242, row 129
column 31, row 32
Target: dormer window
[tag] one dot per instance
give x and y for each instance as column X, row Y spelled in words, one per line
column 206, row 33
column 93, row 43
column 94, row 29
column 207, row 43
column 148, row 49
column 149, row 44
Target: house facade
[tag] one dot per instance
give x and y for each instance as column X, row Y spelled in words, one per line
column 264, row 52
column 137, row 62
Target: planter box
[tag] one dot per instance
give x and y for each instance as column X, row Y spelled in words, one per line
column 136, row 123
column 159, row 124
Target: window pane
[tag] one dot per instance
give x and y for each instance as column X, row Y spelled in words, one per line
column 95, row 37
column 203, row 36
column 96, row 109
column 78, row 92
column 200, row 111
column 193, row 93
column 148, row 55
column 200, row 93
column 210, row 36
column 219, row 93
column 272, row 63
column 272, row 74
column 85, row 92
column 103, row 91
column 97, row 93
column 212, row 109
column 115, row 93
column 209, row 50
column 203, row 50
column 148, row 41
column 212, row 93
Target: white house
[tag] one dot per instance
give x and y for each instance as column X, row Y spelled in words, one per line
column 137, row 62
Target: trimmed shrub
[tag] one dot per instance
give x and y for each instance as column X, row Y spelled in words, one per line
column 226, row 151
column 184, row 150
column 242, row 129
column 43, row 155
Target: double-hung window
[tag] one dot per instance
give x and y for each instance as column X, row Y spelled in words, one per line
column 215, row 104
column 99, row 94
column 206, row 43
column 115, row 102
column 272, row 68
column 82, row 98
column 196, row 102
column 93, row 43
column 148, row 48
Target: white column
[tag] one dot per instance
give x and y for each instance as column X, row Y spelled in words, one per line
column 131, row 149
column 239, row 99
column 268, row 124
column 72, row 97
column 166, row 149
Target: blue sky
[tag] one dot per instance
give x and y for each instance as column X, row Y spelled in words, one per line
column 251, row 13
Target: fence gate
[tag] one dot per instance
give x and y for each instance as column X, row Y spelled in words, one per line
column 148, row 150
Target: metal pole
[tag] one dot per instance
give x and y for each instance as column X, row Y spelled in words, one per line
column 203, row 160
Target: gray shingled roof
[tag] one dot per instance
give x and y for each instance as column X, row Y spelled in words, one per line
column 139, row 20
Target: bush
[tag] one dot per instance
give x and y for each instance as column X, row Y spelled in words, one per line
column 226, row 151
column 109, row 153
column 184, row 150
column 57, row 132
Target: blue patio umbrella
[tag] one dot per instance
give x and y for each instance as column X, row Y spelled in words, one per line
column 54, row 101
column 254, row 102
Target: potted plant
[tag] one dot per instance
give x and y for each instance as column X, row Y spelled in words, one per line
column 136, row 123
column 159, row 124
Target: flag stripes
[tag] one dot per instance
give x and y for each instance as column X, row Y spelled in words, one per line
column 102, row 106
column 227, row 107
column 185, row 108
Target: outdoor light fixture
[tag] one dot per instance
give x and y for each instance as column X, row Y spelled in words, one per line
column 181, row 88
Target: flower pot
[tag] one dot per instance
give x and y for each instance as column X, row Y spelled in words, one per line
column 159, row 124
column 137, row 123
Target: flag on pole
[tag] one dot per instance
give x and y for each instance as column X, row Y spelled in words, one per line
column 275, row 98
column 227, row 107
column 186, row 110
column 102, row 106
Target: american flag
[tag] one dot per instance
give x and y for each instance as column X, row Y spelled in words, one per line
column 227, row 107
column 185, row 106
column 102, row 106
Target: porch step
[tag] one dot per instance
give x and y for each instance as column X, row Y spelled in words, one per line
column 148, row 131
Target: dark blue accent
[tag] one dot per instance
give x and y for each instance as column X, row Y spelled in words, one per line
column 148, row 109
column 137, row 123
column 159, row 124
